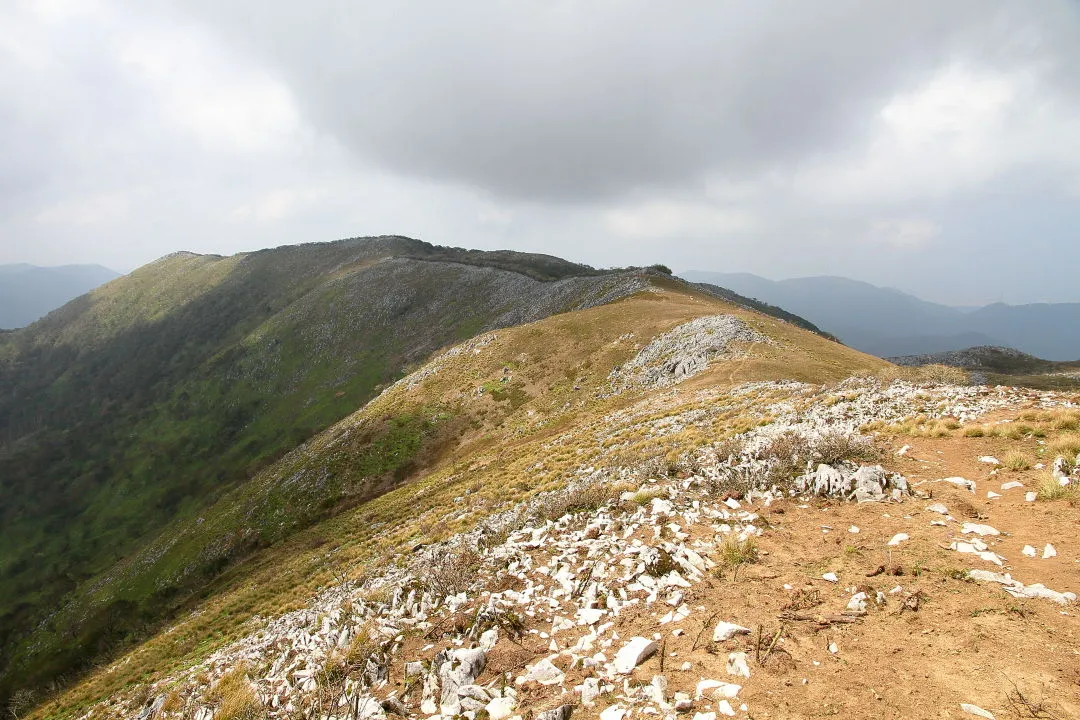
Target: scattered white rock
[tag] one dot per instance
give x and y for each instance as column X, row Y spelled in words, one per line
column 1019, row 590
column 1029, row 551
column 717, row 689
column 1049, row 551
column 962, row 482
column 726, row 630
column 615, row 712
column 544, row 672
column 736, row 664
column 898, row 538
column 976, row 711
column 830, row 577
column 989, row 460
column 633, row 653
column 1011, row 484
column 978, row 529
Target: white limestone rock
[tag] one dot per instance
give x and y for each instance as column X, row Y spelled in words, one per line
column 726, row 630
column 633, row 653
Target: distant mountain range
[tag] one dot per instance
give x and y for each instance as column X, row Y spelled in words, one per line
column 887, row 322
column 28, row 292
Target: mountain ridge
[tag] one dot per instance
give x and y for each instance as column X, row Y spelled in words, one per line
column 155, row 394
column 888, row 322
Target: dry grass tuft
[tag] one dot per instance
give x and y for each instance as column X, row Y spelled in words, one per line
column 1017, row 461
column 1051, row 489
column 734, row 552
column 645, row 496
column 1067, row 446
column 234, row 697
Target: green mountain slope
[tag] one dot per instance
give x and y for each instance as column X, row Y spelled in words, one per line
column 151, row 398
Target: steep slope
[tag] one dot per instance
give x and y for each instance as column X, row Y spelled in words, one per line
column 28, row 292
column 887, row 322
column 499, row 397
column 634, row 470
column 153, row 396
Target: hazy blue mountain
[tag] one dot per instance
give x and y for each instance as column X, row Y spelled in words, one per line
column 28, row 292
column 887, row 322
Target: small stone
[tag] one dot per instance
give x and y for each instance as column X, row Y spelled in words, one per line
column 854, row 529
column 736, row 665
column 938, row 508
column 683, row 702
column 989, row 460
column 833, row 648
column 1030, row 496
column 898, row 538
column 544, row 672
column 830, row 576
column 1049, row 551
column 1011, row 484
column 1029, row 551
column 976, row 711
column 978, row 529
column 615, row 712
column 633, row 653
column 725, row 708
column 500, row 708
column 726, row 630
column 562, row 712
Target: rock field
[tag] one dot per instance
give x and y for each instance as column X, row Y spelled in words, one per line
column 605, row 611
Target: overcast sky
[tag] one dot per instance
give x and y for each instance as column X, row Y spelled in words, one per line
column 932, row 146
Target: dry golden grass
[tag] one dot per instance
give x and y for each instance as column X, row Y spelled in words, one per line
column 1066, row 446
column 234, row 698
column 734, row 552
column 1016, row 460
column 1051, row 489
column 506, row 453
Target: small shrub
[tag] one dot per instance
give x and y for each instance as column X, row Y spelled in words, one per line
column 804, row 599
column 1016, row 461
column 957, row 574
column 973, row 431
column 835, row 447
column 451, row 573
column 662, row 565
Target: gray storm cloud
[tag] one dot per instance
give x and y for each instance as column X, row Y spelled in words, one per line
column 572, row 101
column 927, row 145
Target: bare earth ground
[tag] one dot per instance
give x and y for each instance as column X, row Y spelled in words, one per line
column 962, row 642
